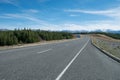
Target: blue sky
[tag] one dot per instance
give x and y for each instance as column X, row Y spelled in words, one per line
column 60, row 14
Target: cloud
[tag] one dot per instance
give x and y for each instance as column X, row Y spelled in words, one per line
column 114, row 13
column 43, row 25
column 24, row 17
column 112, row 23
column 76, row 27
column 73, row 15
column 90, row 27
column 12, row 2
column 25, row 14
column 40, row 24
column 5, row 1
column 31, row 11
column 12, row 15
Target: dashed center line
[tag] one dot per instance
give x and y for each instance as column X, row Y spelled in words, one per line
column 44, row 51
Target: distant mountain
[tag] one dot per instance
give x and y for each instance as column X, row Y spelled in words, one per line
column 3, row 29
column 108, row 31
column 85, row 31
column 113, row 31
column 82, row 31
column 75, row 31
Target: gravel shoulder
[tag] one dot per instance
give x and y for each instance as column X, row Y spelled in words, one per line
column 108, row 44
column 34, row 44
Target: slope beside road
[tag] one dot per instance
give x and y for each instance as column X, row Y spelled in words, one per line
column 73, row 60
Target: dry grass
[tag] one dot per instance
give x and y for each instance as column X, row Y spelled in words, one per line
column 104, row 37
column 108, row 44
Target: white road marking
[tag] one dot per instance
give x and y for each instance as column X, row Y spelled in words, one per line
column 65, row 69
column 44, row 51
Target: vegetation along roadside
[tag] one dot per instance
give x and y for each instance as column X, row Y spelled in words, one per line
column 14, row 37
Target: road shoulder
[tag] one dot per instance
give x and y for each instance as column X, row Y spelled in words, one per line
column 34, row 44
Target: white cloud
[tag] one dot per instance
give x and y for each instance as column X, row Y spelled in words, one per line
column 73, row 15
column 31, row 11
column 90, row 27
column 40, row 24
column 112, row 23
column 22, row 16
column 74, row 27
column 12, row 2
column 5, row 1
column 67, row 26
column 25, row 14
column 12, row 15
column 114, row 13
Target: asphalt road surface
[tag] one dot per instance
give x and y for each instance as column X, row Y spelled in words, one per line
column 72, row 60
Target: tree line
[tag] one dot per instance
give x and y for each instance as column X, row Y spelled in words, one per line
column 13, row 37
column 113, row 35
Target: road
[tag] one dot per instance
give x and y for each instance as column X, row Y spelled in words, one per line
column 71, row 60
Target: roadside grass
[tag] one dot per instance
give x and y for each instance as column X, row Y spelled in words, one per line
column 109, row 46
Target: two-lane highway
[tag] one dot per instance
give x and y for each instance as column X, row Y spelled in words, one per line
column 72, row 60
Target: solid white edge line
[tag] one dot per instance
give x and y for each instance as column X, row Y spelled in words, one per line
column 44, row 51
column 64, row 70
